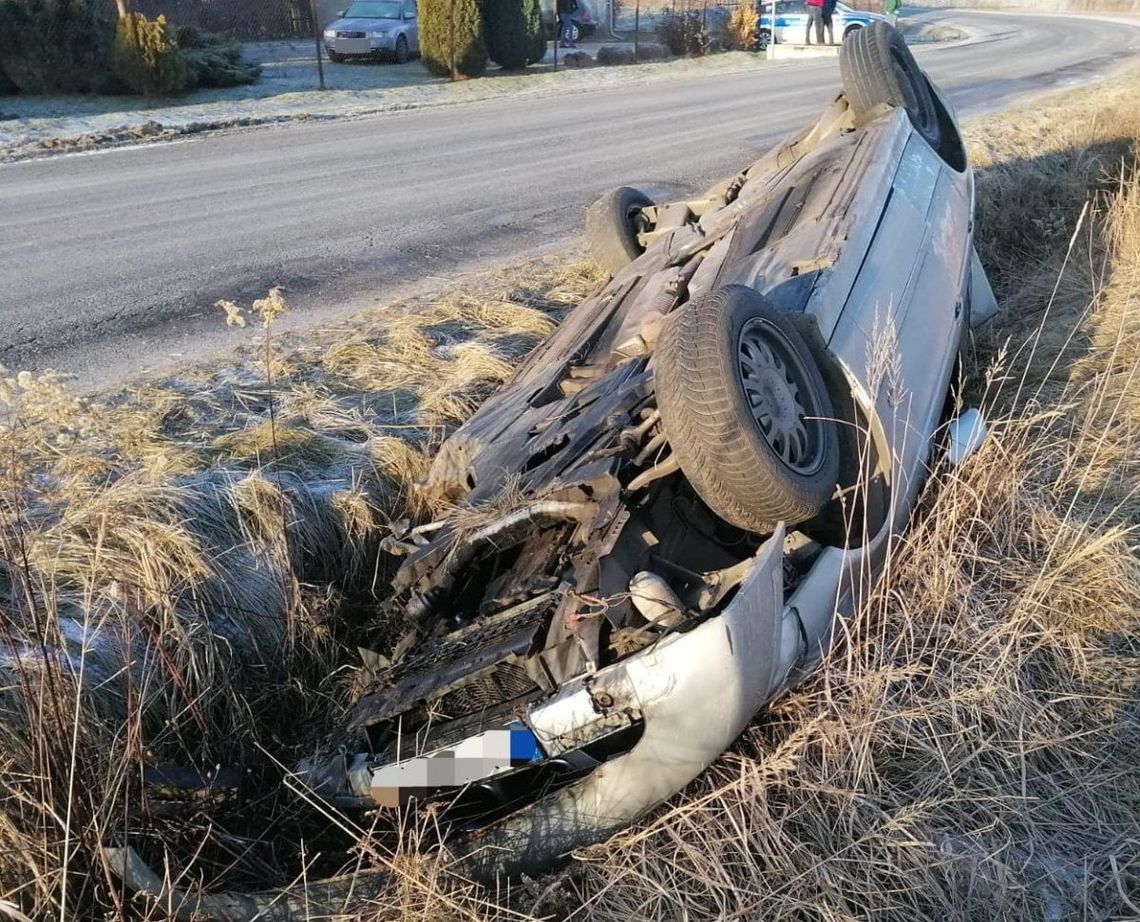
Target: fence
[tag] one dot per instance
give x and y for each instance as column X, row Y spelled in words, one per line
column 645, row 15
column 245, row 20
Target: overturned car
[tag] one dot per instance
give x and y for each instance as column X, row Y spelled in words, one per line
column 667, row 510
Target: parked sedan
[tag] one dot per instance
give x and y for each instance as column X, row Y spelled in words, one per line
column 792, row 20
column 374, row 29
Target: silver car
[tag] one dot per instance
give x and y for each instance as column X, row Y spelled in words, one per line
column 677, row 499
column 663, row 519
column 374, row 29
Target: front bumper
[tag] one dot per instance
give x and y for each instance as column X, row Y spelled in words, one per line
column 692, row 693
column 360, row 47
column 695, row 693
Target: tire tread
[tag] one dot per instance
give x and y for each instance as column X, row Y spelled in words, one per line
column 716, row 449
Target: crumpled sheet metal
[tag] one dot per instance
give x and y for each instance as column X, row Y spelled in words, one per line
column 732, row 659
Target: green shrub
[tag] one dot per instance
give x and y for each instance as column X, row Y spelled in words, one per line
column 451, row 38
column 215, row 60
column 68, row 46
column 684, row 34
column 191, row 37
column 56, row 46
column 516, row 36
column 147, row 58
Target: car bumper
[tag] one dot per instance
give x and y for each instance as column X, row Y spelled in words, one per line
column 360, row 47
column 695, row 693
column 692, row 692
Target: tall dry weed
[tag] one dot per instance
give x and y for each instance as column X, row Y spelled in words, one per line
column 183, row 568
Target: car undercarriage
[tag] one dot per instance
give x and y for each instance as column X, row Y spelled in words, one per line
column 583, row 633
column 661, row 521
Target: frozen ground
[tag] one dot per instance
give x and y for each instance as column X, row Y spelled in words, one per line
column 31, row 126
column 288, row 90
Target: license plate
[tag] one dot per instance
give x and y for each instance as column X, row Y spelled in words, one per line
column 474, row 759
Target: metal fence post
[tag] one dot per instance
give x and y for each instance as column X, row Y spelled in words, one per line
column 636, row 29
column 317, row 42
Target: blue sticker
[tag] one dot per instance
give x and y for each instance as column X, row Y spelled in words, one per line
column 524, row 744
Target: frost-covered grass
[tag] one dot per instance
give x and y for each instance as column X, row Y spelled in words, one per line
column 288, row 90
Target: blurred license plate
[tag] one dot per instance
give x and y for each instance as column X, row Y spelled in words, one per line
column 476, row 758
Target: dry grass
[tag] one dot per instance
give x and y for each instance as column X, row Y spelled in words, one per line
column 970, row 751
column 186, row 566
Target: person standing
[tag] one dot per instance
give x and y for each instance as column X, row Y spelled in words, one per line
column 815, row 18
column 891, row 8
column 827, row 11
column 566, row 10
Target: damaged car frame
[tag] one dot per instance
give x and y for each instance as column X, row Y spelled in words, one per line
column 677, row 496
column 667, row 512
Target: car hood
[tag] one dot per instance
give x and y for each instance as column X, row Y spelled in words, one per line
column 850, row 13
column 363, row 25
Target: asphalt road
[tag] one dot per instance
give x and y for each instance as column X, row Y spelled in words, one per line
column 110, row 263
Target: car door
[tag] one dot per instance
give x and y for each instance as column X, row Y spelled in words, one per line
column 412, row 25
column 791, row 20
column 900, row 327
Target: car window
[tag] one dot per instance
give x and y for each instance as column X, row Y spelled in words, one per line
column 410, row 9
column 374, row 9
column 790, row 7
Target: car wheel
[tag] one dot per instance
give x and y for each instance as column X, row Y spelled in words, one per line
column 851, row 30
column 402, row 54
column 746, row 410
column 336, row 58
column 612, row 226
column 878, row 69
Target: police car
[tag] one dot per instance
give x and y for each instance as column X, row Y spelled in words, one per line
column 792, row 19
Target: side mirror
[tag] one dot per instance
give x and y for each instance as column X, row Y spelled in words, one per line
column 340, row 14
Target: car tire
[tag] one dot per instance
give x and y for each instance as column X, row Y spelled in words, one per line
column 336, row 58
column 851, row 30
column 724, row 363
column 878, row 69
column 611, row 228
column 402, row 54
